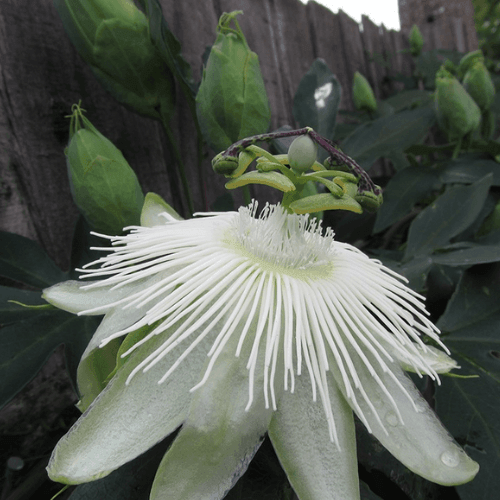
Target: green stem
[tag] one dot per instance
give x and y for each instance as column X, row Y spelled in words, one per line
column 247, row 197
column 457, row 149
column 199, row 143
column 289, row 198
column 181, row 169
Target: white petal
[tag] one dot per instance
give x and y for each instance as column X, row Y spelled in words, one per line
column 316, row 468
column 420, row 441
column 156, row 211
column 438, row 360
column 219, row 438
column 74, row 297
column 126, row 420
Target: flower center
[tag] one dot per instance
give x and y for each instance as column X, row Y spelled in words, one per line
column 283, row 242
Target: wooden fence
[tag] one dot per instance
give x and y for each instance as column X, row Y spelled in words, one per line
column 42, row 76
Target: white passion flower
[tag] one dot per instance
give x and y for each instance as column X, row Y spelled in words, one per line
column 254, row 324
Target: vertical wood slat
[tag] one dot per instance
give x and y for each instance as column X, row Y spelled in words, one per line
column 328, row 44
column 372, row 41
column 353, row 51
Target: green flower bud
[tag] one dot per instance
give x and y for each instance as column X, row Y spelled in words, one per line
column 225, row 165
column 362, row 93
column 103, row 185
column 113, row 38
column 477, row 82
column 416, row 41
column 302, row 153
column 232, row 101
column 468, row 61
column 449, row 66
column 457, row 113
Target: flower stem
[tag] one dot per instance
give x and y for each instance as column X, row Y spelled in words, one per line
column 181, row 169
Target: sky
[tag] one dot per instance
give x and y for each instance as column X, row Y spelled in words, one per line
column 380, row 12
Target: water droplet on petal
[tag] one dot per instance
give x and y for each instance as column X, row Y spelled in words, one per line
column 450, row 458
column 391, row 418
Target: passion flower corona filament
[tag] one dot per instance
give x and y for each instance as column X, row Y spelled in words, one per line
column 306, row 293
column 298, row 316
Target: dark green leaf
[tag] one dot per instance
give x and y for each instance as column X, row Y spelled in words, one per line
column 446, row 217
column 476, row 297
column 398, row 159
column 168, row 46
column 404, row 190
column 409, row 99
column 473, row 229
column 26, row 345
column 23, row 260
column 317, row 99
column 391, row 133
column 474, row 254
column 469, row 169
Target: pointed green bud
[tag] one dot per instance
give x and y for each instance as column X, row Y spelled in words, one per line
column 224, row 165
column 457, row 113
column 112, row 36
column 449, row 66
column 362, row 94
column 416, row 41
column 467, row 61
column 302, row 153
column 103, row 185
column 154, row 209
column 477, row 82
column 232, row 101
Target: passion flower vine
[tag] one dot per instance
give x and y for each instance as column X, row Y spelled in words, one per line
column 252, row 323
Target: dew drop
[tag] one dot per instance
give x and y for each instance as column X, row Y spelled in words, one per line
column 391, row 418
column 450, row 458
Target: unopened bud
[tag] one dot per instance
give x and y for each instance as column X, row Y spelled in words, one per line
column 362, row 93
column 103, row 185
column 416, row 41
column 477, row 82
column 468, row 60
column 457, row 113
column 232, row 101
column 113, row 38
column 302, row 153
